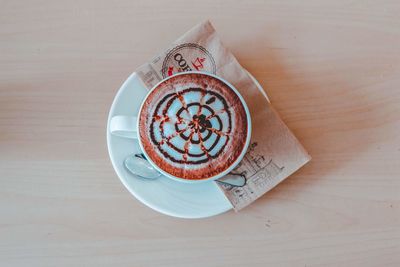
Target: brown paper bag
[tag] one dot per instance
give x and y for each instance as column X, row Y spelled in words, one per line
column 274, row 152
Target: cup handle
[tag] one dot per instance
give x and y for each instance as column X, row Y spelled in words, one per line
column 124, row 126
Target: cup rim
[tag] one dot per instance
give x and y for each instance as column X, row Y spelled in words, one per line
column 238, row 159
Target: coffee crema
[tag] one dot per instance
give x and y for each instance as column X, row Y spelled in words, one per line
column 193, row 126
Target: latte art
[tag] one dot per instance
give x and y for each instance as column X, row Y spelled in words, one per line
column 193, row 126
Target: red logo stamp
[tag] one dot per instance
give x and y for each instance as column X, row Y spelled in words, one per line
column 187, row 57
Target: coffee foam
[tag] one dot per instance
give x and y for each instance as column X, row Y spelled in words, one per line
column 193, row 126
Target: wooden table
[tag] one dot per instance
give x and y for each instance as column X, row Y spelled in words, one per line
column 331, row 69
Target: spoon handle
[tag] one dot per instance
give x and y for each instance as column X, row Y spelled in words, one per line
column 139, row 165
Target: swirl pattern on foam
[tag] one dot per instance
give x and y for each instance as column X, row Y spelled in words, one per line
column 193, row 126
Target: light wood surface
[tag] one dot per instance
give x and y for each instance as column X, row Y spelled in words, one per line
column 331, row 69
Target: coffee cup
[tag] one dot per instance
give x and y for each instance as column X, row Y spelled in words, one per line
column 191, row 127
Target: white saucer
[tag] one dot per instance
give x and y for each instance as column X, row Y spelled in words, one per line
column 164, row 195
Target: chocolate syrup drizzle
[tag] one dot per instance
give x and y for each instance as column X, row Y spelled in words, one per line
column 199, row 125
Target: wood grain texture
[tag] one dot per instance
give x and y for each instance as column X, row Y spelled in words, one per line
column 331, row 69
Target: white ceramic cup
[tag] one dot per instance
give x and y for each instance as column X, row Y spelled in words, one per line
column 127, row 127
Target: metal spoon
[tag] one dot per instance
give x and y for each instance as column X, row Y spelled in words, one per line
column 138, row 165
